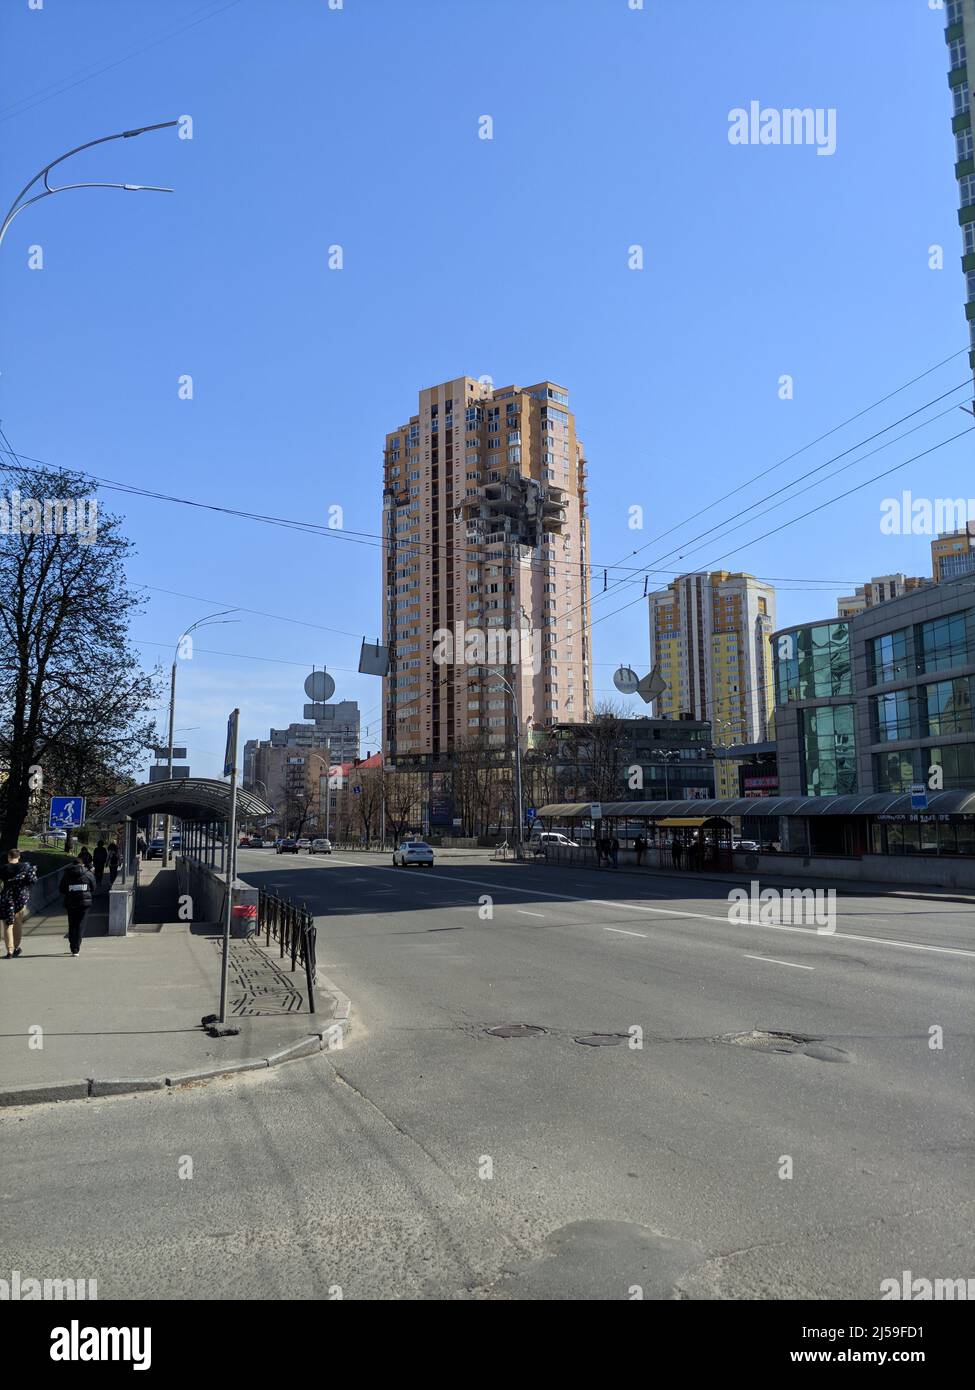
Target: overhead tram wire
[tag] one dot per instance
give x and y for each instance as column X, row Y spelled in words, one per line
column 753, row 540
column 379, row 541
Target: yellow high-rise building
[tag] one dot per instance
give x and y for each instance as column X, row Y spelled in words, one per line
column 709, row 636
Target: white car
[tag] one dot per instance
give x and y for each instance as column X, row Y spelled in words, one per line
column 553, row 839
column 320, row 847
column 304, row 844
column 413, row 852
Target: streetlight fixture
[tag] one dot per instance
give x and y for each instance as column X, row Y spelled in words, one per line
column 666, row 757
column 21, row 202
column 327, row 777
column 517, row 717
column 216, row 620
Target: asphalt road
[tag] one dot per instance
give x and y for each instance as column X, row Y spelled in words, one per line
column 431, row 1158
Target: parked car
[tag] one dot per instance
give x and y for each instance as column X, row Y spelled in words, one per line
column 304, row 844
column 551, row 839
column 413, row 852
column 156, row 846
column 320, row 846
column 750, row 846
column 287, row 847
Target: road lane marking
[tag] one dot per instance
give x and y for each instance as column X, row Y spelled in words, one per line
column 523, row 912
column 705, row 917
column 620, row 932
column 770, row 960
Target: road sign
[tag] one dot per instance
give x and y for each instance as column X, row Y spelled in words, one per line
column 319, row 686
column 596, row 810
column 626, row 680
column 651, row 686
column 66, row 813
column 163, row 753
column 230, row 755
column 919, row 796
column 531, row 813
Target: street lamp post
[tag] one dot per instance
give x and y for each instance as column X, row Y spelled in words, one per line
column 21, row 202
column 202, row 622
column 327, row 777
column 666, row 758
column 517, row 717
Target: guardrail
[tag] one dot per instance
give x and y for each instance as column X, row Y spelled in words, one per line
column 293, row 928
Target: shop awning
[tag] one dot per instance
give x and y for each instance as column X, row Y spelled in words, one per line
column 696, row 821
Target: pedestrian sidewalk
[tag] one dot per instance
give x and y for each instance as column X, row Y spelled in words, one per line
column 126, row 1013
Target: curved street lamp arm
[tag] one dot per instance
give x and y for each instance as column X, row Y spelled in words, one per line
column 18, row 206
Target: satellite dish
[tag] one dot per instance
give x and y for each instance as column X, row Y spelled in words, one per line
column 319, row 686
column 626, row 680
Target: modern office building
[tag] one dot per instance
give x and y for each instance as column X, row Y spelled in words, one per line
column 674, row 759
column 485, row 569
column 960, row 38
column 877, row 590
column 709, row 636
column 881, row 702
column 953, row 554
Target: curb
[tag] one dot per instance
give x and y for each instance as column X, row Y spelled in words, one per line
column 329, row 1037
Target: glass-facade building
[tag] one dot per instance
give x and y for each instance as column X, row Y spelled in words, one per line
column 882, row 701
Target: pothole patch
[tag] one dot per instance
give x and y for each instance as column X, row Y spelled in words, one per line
column 763, row 1040
column 797, row 1044
column 515, row 1030
column 603, row 1039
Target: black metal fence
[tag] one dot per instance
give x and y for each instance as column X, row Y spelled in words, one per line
column 293, row 928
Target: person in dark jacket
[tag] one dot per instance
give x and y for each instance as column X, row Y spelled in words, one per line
column 640, row 845
column 84, row 855
column 99, row 859
column 614, row 850
column 112, row 864
column 16, row 877
column 77, row 889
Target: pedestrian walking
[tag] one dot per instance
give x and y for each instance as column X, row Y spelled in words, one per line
column 99, row 859
column 112, row 864
column 85, row 856
column 676, row 851
column 141, row 845
column 614, row 849
column 640, row 845
column 16, row 877
column 77, row 889
column 602, row 849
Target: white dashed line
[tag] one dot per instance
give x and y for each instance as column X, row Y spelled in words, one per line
column 620, row 932
column 769, row 960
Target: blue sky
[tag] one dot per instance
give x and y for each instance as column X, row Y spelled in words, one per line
column 359, row 127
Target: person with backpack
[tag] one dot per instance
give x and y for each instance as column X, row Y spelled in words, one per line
column 77, row 889
column 99, row 859
column 16, row 878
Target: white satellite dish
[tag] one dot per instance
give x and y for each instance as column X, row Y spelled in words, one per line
column 319, row 686
column 626, row 680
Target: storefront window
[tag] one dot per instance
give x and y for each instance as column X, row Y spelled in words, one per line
column 829, row 751
column 956, row 763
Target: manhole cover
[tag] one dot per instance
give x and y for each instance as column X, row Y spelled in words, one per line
column 603, row 1039
column 515, row 1030
column 762, row 1041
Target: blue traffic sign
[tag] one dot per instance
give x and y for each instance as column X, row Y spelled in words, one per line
column 67, row 813
column 531, row 813
column 919, row 796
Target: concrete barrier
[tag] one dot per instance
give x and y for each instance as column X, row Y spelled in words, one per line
column 43, row 893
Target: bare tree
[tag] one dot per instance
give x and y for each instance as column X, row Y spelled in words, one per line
column 73, row 697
